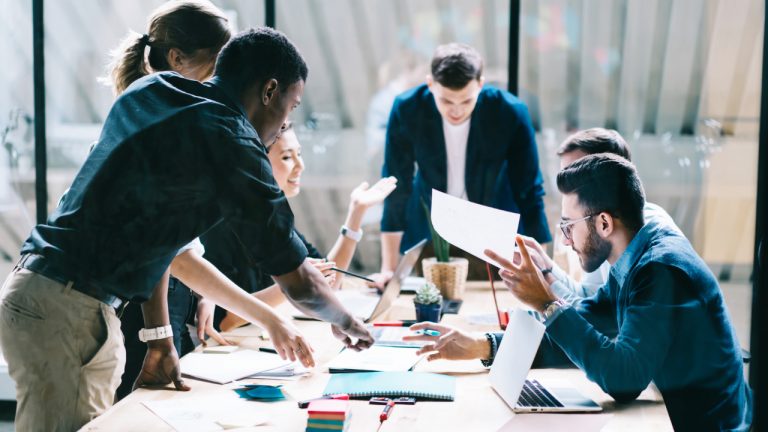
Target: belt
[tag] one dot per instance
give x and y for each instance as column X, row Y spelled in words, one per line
column 40, row 265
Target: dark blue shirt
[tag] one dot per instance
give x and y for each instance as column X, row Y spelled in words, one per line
column 502, row 162
column 661, row 317
column 175, row 157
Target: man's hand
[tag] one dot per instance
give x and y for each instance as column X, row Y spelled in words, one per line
column 452, row 344
column 525, row 279
column 357, row 331
column 538, row 254
column 289, row 343
column 364, row 196
column 161, row 366
column 205, row 311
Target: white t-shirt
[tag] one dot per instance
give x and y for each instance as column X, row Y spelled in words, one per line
column 456, row 137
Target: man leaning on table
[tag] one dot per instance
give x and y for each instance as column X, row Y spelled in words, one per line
column 175, row 157
column 660, row 317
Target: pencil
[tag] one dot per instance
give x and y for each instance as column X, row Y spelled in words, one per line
column 353, row 274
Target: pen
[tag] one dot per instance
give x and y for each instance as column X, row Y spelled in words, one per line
column 353, row 274
column 428, row 332
column 340, row 396
column 387, row 411
column 268, row 350
column 404, row 323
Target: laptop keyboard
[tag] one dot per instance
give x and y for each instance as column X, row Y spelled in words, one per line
column 535, row 395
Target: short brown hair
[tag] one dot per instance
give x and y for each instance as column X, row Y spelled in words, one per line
column 596, row 140
column 454, row 65
column 187, row 25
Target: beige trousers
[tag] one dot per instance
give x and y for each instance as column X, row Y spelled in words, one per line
column 64, row 351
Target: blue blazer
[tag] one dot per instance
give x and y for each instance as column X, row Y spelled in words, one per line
column 502, row 165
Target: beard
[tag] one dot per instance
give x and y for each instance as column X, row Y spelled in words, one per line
column 595, row 251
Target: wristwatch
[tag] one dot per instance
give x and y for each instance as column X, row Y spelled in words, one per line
column 155, row 333
column 351, row 234
column 552, row 309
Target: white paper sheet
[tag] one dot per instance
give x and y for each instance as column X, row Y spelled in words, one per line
column 209, row 413
column 376, row 359
column 223, row 368
column 474, row 227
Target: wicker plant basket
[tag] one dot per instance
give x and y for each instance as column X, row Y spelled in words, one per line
column 450, row 277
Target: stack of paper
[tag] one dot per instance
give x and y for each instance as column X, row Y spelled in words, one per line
column 328, row 415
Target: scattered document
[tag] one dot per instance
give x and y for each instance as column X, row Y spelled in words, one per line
column 393, row 337
column 474, row 227
column 375, row 359
column 290, row 372
column 224, row 368
column 210, row 413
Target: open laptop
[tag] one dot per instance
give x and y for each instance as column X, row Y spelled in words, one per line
column 512, row 363
column 368, row 307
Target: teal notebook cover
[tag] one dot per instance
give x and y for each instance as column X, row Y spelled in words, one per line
column 420, row 385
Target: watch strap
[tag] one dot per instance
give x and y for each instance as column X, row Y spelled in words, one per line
column 150, row 334
column 350, row 233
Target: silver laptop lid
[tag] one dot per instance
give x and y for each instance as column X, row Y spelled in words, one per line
column 404, row 268
column 515, row 355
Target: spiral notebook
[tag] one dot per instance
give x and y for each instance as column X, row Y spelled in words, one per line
column 421, row 385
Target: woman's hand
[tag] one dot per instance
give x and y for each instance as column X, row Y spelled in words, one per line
column 364, row 196
column 288, row 342
column 324, row 266
column 205, row 311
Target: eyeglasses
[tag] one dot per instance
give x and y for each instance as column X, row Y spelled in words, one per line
column 567, row 226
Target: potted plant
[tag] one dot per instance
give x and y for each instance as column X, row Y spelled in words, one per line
column 428, row 303
column 448, row 273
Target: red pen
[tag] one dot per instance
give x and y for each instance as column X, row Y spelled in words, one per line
column 341, row 396
column 405, row 323
column 387, row 410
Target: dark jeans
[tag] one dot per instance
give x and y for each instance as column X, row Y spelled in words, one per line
column 181, row 309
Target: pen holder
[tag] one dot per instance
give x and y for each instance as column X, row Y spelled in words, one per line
column 428, row 312
column 450, row 277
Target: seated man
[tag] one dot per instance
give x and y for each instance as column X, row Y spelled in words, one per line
column 575, row 147
column 662, row 307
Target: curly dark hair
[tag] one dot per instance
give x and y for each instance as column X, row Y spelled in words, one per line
column 257, row 55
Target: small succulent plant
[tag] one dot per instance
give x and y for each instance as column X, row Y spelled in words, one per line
column 428, row 294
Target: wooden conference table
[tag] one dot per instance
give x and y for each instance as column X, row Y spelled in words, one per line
column 476, row 407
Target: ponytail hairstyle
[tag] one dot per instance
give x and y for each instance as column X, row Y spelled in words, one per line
column 186, row 25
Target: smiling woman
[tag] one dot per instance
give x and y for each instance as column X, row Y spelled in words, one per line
column 287, row 164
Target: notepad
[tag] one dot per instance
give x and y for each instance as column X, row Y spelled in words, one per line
column 420, row 385
column 375, row 359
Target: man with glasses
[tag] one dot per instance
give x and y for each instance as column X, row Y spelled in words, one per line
column 660, row 318
column 575, row 147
